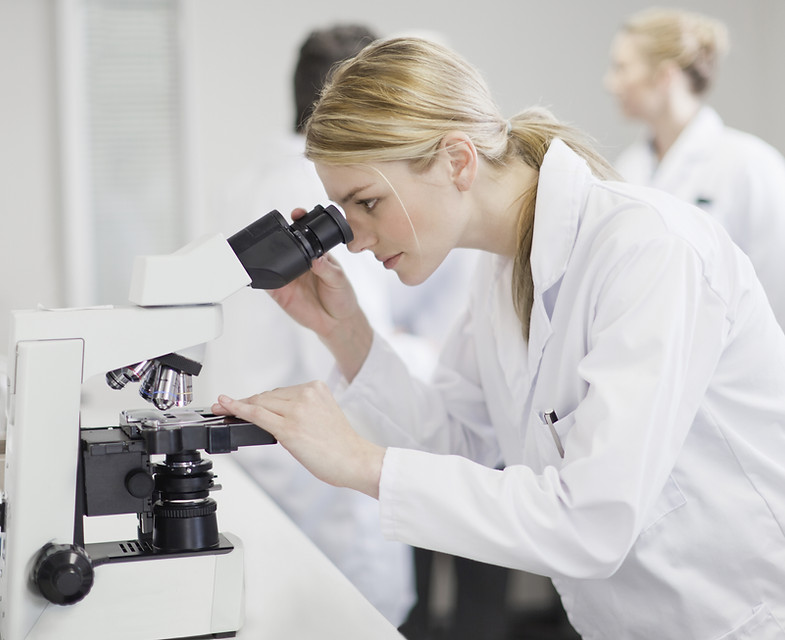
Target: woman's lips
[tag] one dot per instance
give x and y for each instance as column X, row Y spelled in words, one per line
column 390, row 263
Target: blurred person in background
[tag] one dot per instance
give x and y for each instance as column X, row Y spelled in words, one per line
column 663, row 63
column 262, row 348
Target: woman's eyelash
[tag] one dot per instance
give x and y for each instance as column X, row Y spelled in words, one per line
column 368, row 203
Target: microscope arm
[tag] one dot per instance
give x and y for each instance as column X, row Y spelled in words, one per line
column 266, row 254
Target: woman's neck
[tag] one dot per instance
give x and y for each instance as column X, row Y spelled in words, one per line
column 497, row 204
column 668, row 125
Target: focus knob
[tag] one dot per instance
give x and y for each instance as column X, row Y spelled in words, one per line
column 63, row 573
column 139, row 483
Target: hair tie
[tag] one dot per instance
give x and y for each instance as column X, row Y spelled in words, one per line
column 509, row 127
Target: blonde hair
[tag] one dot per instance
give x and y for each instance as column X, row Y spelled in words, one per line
column 396, row 100
column 693, row 41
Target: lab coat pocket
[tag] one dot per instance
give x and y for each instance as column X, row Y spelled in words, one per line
column 761, row 624
column 553, row 435
column 670, row 499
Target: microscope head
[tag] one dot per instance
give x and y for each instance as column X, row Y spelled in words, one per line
column 267, row 254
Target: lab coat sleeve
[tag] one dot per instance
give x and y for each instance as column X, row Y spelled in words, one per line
column 388, row 405
column 655, row 331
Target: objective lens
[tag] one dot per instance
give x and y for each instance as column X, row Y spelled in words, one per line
column 118, row 378
column 137, row 371
column 147, row 387
column 166, row 384
column 184, row 392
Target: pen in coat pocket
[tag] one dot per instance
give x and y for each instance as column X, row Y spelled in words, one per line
column 550, row 417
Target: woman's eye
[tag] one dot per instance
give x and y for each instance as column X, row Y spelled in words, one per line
column 368, row 204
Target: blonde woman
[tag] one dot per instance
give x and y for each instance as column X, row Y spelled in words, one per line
column 663, row 63
column 618, row 356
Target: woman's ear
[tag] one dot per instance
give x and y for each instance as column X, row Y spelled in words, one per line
column 667, row 73
column 462, row 156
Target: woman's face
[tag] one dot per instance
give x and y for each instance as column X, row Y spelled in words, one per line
column 633, row 81
column 410, row 221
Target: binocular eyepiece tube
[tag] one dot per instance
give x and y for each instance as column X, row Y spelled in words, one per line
column 274, row 253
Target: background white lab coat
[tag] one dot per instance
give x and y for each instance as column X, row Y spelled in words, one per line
column 734, row 176
column 653, row 342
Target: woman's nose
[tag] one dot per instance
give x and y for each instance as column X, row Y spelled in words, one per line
column 356, row 245
column 362, row 240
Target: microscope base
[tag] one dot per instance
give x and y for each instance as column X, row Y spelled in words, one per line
column 161, row 598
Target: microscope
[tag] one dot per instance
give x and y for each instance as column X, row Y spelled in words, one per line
column 176, row 576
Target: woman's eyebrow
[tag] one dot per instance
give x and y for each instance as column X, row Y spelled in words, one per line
column 351, row 195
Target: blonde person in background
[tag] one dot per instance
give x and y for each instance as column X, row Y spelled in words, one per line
column 663, row 63
column 618, row 355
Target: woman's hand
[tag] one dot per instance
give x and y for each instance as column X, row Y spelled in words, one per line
column 320, row 299
column 324, row 301
column 307, row 421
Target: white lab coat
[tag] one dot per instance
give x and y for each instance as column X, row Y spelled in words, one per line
column 653, row 342
column 735, row 177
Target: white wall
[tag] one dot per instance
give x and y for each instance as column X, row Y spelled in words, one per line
column 549, row 52
column 242, row 54
column 30, row 255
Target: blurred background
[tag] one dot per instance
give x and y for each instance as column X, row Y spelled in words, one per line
column 124, row 124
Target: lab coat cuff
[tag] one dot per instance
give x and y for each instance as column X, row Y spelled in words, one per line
column 337, row 382
column 388, row 496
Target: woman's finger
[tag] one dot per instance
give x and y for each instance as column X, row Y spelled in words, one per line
column 329, row 270
column 252, row 412
column 274, row 400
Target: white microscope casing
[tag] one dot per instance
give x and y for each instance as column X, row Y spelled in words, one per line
column 51, row 353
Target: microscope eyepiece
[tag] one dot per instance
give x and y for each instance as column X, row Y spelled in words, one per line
column 274, row 253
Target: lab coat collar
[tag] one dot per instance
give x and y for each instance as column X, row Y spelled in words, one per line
column 562, row 191
column 561, row 197
column 696, row 141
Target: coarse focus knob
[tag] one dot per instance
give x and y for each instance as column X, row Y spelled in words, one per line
column 139, row 483
column 63, row 573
